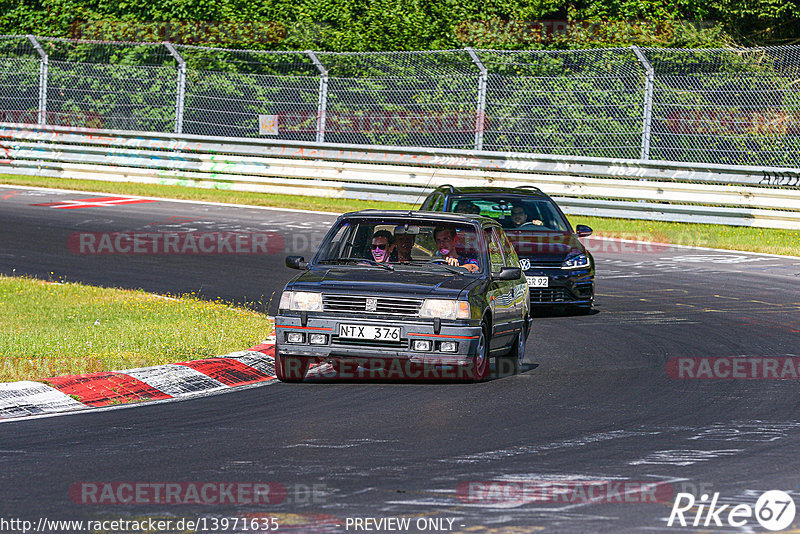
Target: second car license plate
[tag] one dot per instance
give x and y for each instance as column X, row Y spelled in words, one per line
column 352, row 331
column 537, row 281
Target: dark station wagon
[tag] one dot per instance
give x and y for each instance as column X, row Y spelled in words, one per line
column 559, row 268
column 399, row 288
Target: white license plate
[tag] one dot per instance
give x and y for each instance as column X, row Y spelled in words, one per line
column 353, row 331
column 538, row 281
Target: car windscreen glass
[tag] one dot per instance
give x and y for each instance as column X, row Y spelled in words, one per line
column 398, row 241
column 516, row 213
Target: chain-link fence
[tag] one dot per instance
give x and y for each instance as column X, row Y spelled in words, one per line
column 737, row 106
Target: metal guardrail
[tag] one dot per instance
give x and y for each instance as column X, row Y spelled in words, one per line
column 657, row 190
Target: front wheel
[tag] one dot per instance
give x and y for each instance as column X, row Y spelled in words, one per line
column 480, row 360
column 290, row 368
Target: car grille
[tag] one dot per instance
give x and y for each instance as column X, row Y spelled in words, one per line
column 544, row 263
column 401, row 343
column 383, row 305
column 553, row 294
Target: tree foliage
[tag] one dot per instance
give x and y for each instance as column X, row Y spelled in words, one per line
column 380, row 25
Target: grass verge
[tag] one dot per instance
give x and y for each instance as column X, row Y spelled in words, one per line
column 772, row 241
column 336, row 205
column 52, row 329
column 766, row 240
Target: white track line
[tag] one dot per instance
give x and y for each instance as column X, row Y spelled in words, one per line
column 269, row 208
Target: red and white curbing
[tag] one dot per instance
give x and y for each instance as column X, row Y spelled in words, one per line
column 176, row 380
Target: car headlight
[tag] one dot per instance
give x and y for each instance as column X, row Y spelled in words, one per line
column 444, row 309
column 301, row 301
column 576, row 262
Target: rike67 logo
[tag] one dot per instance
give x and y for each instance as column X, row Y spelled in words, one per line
column 774, row 510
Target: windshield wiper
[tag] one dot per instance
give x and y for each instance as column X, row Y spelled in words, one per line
column 450, row 269
column 386, row 266
column 444, row 266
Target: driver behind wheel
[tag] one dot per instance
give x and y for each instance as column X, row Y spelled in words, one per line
column 382, row 245
column 519, row 216
column 446, row 239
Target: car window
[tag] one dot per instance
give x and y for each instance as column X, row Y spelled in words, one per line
column 495, row 254
column 434, row 203
column 426, row 204
column 508, row 251
column 399, row 241
column 514, row 212
column 338, row 240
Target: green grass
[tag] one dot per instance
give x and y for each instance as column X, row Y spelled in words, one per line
column 786, row 242
column 52, row 329
column 767, row 240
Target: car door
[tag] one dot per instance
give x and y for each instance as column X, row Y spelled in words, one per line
column 520, row 288
column 501, row 294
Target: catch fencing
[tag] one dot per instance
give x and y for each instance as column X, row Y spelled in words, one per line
column 715, row 106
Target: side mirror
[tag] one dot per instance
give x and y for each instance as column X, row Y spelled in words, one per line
column 508, row 273
column 583, row 231
column 296, row 262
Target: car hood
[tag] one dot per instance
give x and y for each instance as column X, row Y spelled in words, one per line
column 545, row 246
column 362, row 280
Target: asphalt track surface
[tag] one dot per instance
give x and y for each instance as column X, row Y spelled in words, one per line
column 594, row 403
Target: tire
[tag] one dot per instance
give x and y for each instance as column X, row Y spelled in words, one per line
column 290, row 368
column 480, row 366
column 512, row 362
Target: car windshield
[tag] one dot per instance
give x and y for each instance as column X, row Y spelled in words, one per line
column 515, row 213
column 393, row 241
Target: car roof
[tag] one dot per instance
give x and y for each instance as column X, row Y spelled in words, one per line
column 529, row 191
column 427, row 215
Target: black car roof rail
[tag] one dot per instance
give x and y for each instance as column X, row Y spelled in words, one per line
column 530, row 187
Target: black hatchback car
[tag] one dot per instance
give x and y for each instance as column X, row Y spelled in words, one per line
column 407, row 292
column 559, row 269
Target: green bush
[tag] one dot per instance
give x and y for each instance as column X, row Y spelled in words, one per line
column 364, row 25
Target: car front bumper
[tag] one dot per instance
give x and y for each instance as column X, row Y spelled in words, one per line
column 565, row 286
column 338, row 348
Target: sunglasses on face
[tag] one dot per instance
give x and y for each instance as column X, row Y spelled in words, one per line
column 381, row 246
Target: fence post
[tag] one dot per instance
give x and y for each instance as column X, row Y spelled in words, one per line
column 480, row 113
column 648, row 101
column 43, row 64
column 181, row 89
column 322, row 103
